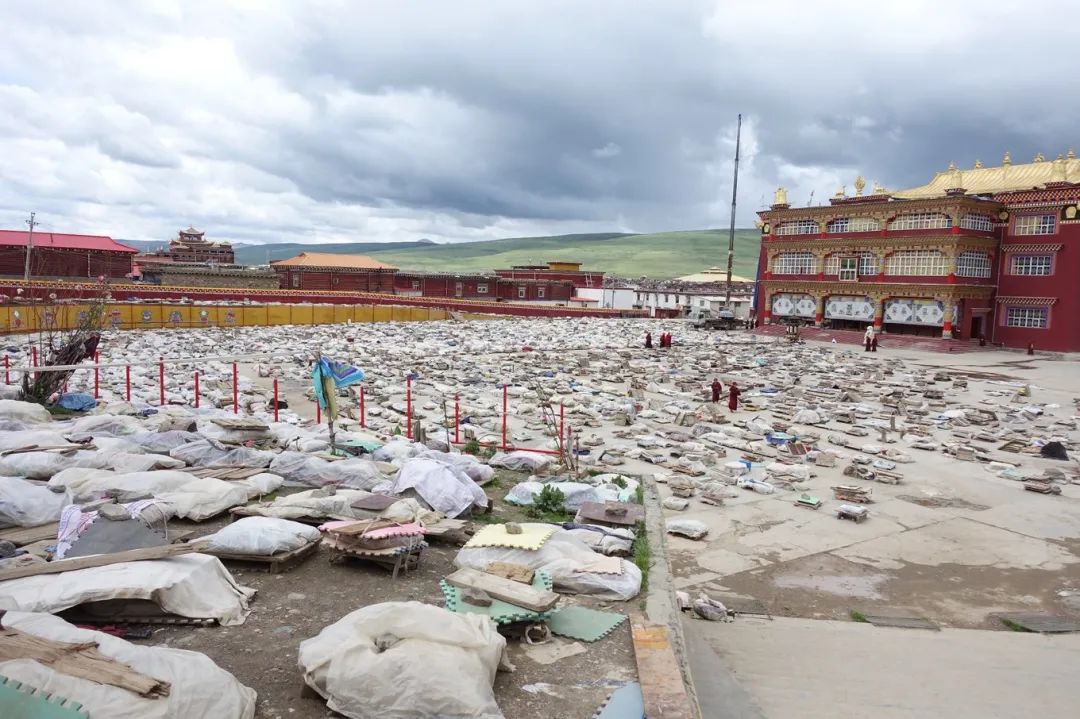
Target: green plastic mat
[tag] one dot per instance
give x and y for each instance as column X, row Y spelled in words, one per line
column 500, row 612
column 583, row 623
column 22, row 701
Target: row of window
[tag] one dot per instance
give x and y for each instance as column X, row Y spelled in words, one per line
column 1028, row 317
column 929, row 263
column 1023, row 225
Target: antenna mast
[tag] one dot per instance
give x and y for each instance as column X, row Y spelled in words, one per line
column 731, row 233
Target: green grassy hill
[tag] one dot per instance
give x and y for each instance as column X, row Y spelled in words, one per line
column 656, row 255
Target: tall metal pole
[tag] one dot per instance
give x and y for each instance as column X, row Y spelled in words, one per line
column 29, row 246
column 731, row 233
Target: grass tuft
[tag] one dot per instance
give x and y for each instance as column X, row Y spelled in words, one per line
column 857, row 616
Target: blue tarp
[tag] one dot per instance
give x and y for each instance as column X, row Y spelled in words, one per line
column 77, row 401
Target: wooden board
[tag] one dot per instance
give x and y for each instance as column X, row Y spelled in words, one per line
column 21, row 536
column 516, row 593
column 240, row 423
column 101, row 560
column 375, row 502
column 78, row 660
column 597, row 512
column 226, row 473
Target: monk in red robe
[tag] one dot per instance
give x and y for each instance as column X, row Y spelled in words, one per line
column 717, row 388
column 733, row 397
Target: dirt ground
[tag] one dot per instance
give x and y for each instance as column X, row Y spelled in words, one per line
column 295, row 605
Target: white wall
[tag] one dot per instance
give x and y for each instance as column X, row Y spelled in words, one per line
column 609, row 298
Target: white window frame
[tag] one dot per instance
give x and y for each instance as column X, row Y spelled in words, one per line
column 849, row 269
column 416, row 284
column 521, row 293
column 294, row 280
column 1037, row 318
column 481, row 289
column 973, row 263
column 1031, row 265
column 917, row 263
column 869, row 264
column 1035, row 225
column 795, row 263
column 984, row 223
column 541, row 292
column 921, row 221
column 798, row 227
column 853, row 224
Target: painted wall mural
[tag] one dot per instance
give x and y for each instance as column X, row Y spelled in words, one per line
column 792, row 305
column 915, row 312
column 841, row 307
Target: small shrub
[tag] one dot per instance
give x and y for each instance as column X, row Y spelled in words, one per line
column 472, row 447
column 857, row 616
column 551, row 500
column 620, row 482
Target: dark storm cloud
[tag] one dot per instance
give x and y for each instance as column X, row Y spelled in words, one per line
column 334, row 120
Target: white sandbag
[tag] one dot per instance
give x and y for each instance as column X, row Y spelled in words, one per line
column 477, row 470
column 355, row 473
column 262, row 536
column 31, row 438
column 198, row 686
column 203, row 498
column 299, row 469
column 563, row 556
column 25, row 504
column 123, row 487
column 315, row 503
column 409, row 510
column 523, row 493
column 397, row 449
column 43, row 465
column 606, row 540
column 106, row 424
column 807, row 416
column 755, row 484
column 521, row 461
column 209, row 430
column 25, row 412
column 163, row 442
column 262, row 483
column 196, row 586
column 798, row 472
column 406, row 660
column 125, row 462
column 691, row 528
column 445, row 488
column 209, row 452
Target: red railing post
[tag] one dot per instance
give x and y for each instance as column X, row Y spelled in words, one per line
column 235, row 391
column 504, row 417
column 408, row 406
column 457, row 419
column 97, row 375
column 161, row 381
column 33, row 359
column 275, row 400
column 318, row 411
column 363, row 409
column 562, row 426
column 127, row 382
column 196, row 389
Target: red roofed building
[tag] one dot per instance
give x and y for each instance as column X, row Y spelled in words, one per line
column 327, row 271
column 59, row 255
column 559, row 271
column 991, row 252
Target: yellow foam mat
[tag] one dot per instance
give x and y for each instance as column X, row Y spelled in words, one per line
column 532, row 536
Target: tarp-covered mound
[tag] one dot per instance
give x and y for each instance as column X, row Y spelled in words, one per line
column 196, row 586
column 406, row 660
column 25, row 504
column 567, row 560
column 446, row 488
column 262, row 536
column 198, row 686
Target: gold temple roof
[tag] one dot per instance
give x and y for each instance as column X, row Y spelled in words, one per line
column 1006, row 177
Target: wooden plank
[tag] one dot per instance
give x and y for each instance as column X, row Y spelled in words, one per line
column 21, row 536
column 101, row 560
column 79, row 660
column 658, row 671
column 226, row 473
column 516, row 593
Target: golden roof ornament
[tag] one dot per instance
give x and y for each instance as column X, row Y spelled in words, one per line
column 880, row 189
column 1057, row 172
column 1039, row 158
column 841, row 193
column 1071, row 154
column 860, row 185
column 952, row 165
column 978, row 164
column 1007, row 160
column 781, row 196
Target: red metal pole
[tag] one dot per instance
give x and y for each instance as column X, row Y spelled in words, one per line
column 504, row 418
column 457, row 419
column 318, row 411
column 562, row 426
column 408, row 406
column 275, row 400
column 235, row 391
column 196, row 389
column 97, row 375
column 33, row 359
column 127, row 381
column 161, row 381
column 363, row 410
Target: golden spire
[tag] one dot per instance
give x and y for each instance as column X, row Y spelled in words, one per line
column 1007, row 160
column 1071, row 154
column 780, row 198
column 879, row 189
column 952, row 165
column 978, row 164
column 860, row 185
column 1039, row 158
column 840, row 194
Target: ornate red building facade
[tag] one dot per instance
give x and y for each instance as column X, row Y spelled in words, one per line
column 60, row 255
column 986, row 252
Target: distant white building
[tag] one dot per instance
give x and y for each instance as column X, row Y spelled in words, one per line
column 712, row 275
column 610, row 298
column 683, row 302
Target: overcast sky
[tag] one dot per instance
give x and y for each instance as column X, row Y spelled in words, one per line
column 335, row 120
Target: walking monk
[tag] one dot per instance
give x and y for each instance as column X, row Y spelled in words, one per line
column 733, row 397
column 648, row 340
column 717, row 388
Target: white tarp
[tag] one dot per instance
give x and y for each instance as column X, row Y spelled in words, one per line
column 262, row 536
column 198, row 687
column 196, row 586
column 406, row 660
column 25, row 504
column 445, row 488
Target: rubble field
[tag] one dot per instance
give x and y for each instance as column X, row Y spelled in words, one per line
column 844, row 483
